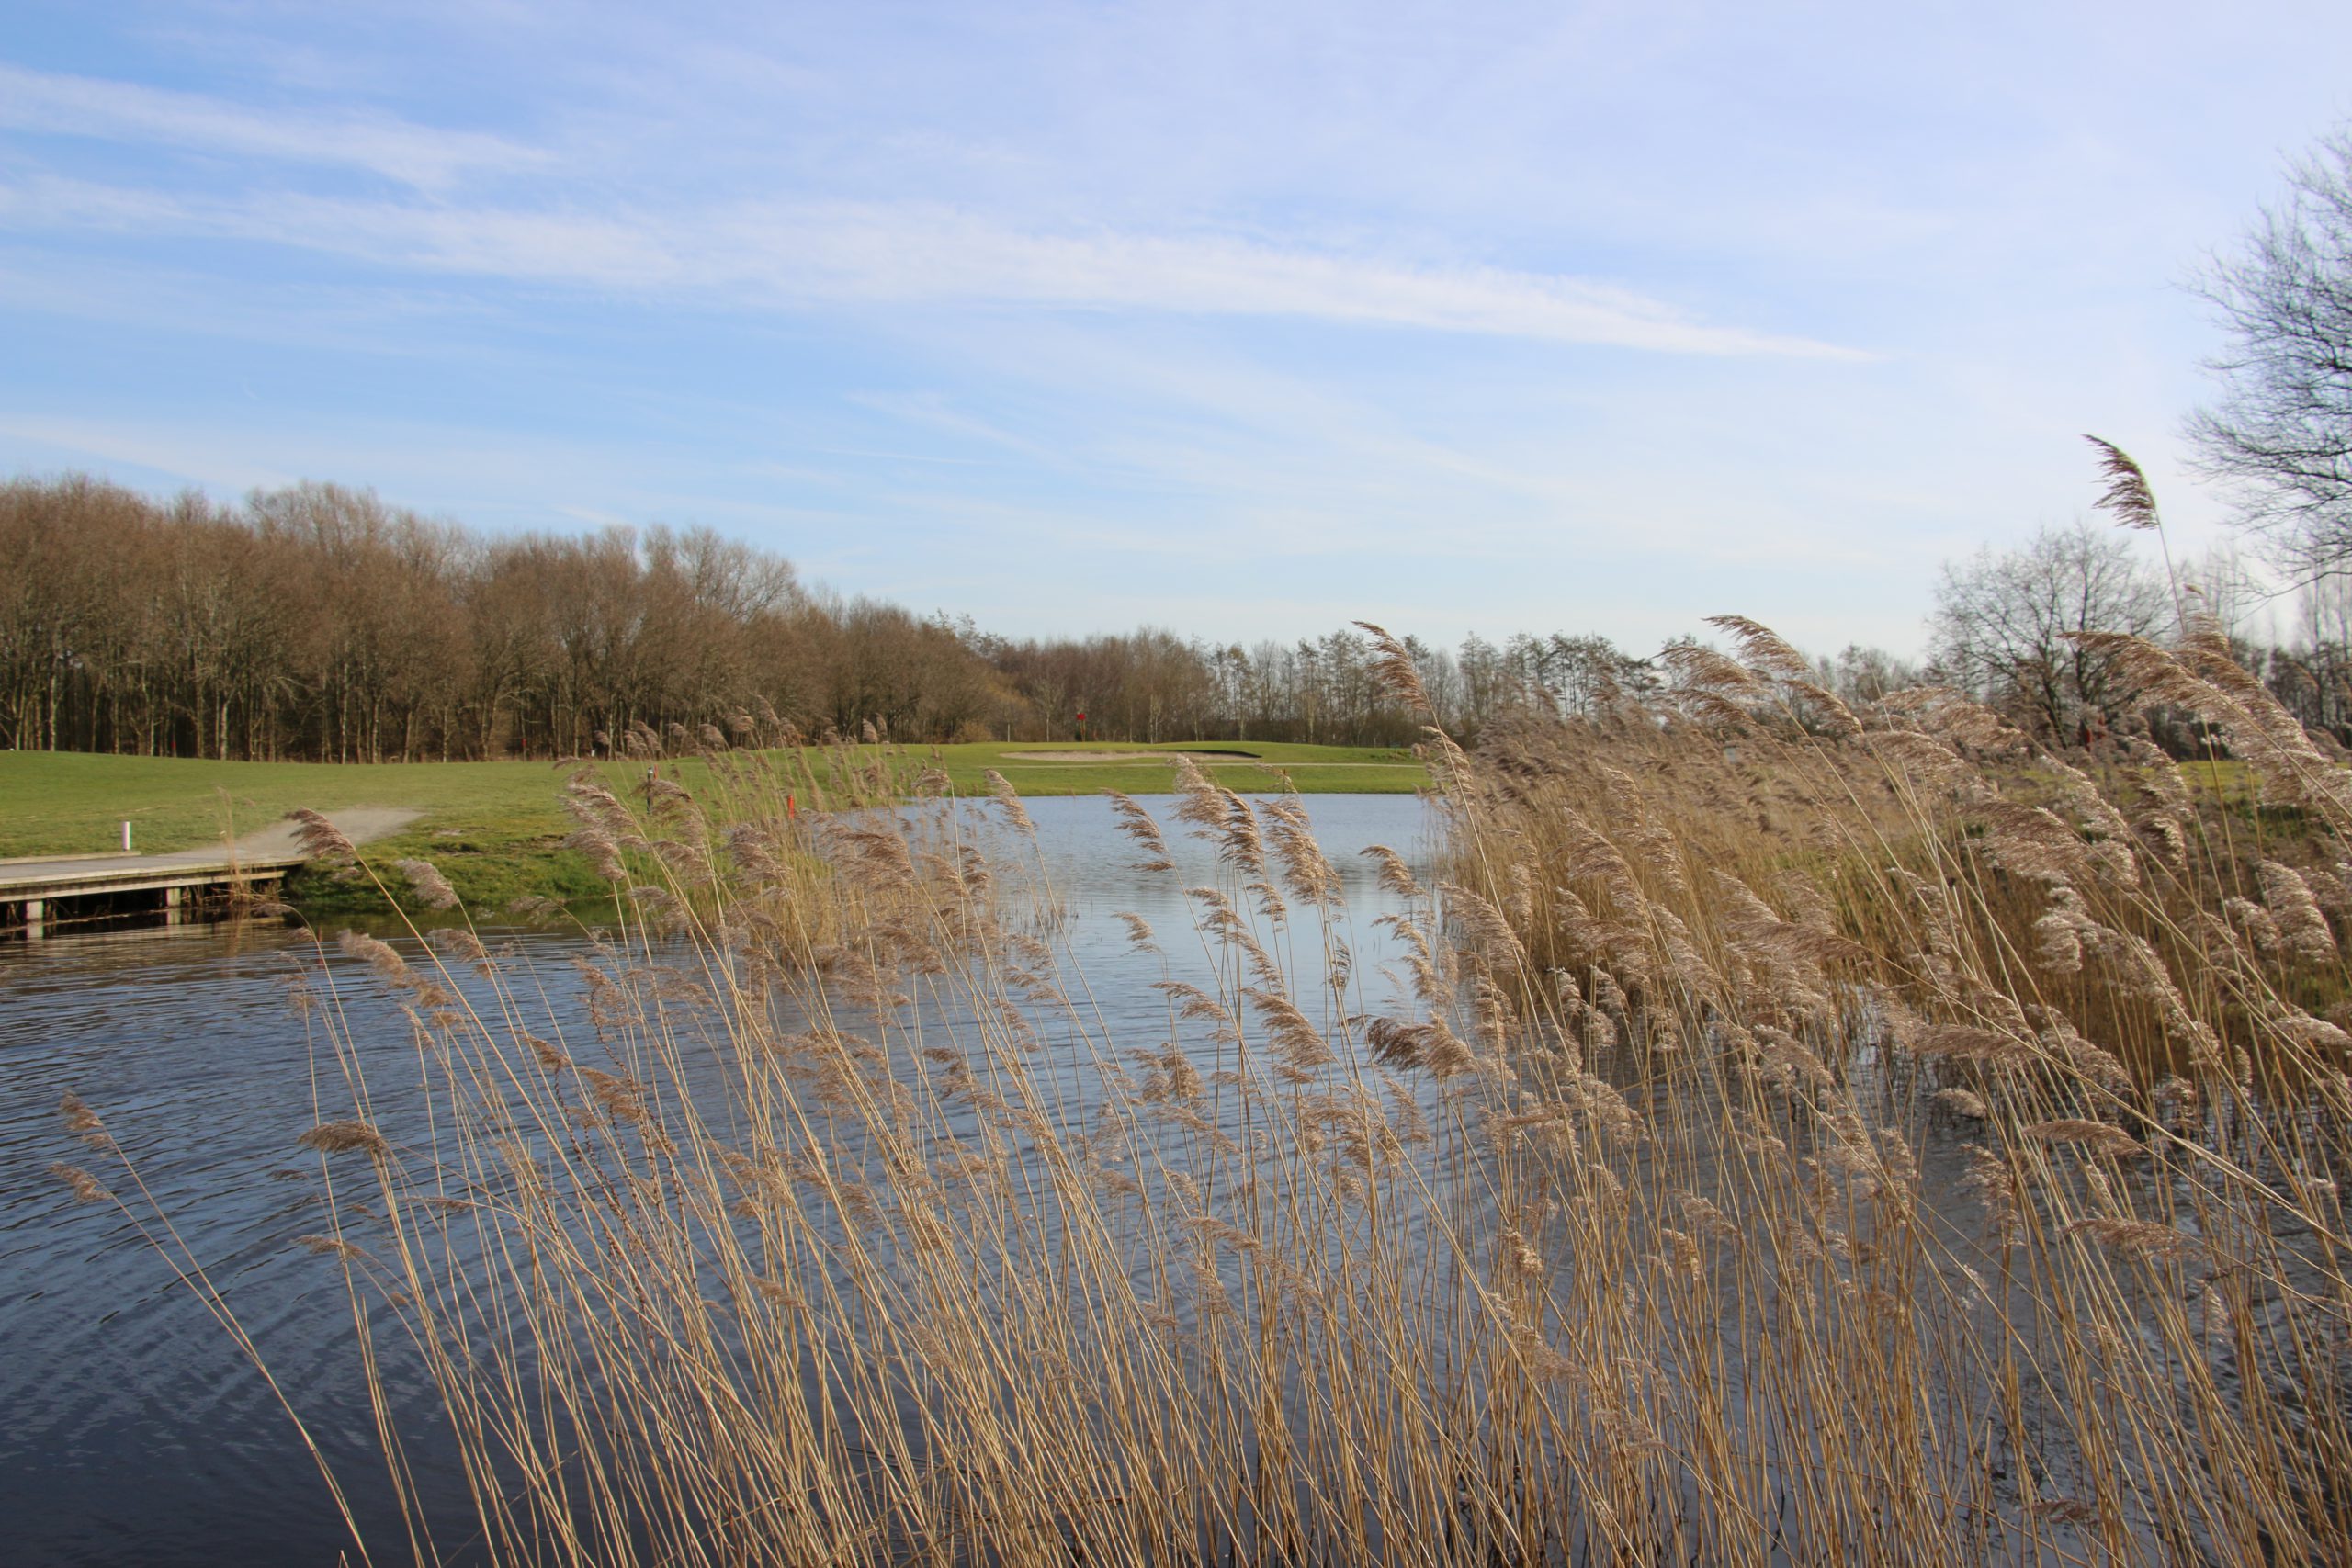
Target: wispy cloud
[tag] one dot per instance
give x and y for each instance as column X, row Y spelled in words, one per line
column 787, row 255
column 1053, row 311
column 902, row 254
column 423, row 157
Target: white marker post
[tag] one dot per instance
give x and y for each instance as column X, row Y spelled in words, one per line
column 125, row 838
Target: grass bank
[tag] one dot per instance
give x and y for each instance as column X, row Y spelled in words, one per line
column 496, row 829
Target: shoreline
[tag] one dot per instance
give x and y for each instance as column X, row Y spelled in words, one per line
column 497, row 829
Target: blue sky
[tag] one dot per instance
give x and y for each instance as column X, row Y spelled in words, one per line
column 1244, row 320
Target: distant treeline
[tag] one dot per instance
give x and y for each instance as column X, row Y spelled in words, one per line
column 316, row 623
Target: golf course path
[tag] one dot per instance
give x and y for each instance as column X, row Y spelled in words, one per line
column 275, row 842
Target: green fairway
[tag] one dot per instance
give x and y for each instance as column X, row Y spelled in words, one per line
column 1088, row 767
column 496, row 829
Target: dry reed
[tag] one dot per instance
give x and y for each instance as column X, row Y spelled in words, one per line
column 1812, row 1134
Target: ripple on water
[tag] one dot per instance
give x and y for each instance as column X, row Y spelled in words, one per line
column 135, row 1429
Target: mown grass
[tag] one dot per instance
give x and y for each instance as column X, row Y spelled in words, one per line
column 1245, row 766
column 497, row 828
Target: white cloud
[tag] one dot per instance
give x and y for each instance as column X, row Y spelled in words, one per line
column 415, row 155
column 916, row 253
column 787, row 255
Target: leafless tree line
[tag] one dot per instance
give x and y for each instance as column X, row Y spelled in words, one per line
column 2005, row 624
column 317, row 623
column 1155, row 685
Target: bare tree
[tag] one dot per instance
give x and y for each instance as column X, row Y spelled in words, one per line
column 2001, row 625
column 1860, row 675
column 2283, row 428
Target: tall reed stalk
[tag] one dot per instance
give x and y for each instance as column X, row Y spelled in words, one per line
column 1801, row 1135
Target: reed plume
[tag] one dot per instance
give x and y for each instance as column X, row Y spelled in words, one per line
column 319, row 839
column 2129, row 496
column 1771, row 1131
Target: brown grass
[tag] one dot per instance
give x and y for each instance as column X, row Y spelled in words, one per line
column 1817, row 1135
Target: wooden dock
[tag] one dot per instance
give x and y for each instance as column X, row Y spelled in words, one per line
column 37, row 895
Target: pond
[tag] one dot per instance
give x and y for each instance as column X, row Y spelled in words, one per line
column 136, row 1430
column 1315, row 1241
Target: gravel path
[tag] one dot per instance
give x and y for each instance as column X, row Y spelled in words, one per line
column 276, row 841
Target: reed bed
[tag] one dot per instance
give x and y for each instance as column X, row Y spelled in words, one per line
column 1797, row 1136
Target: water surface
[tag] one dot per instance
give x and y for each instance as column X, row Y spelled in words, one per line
column 135, row 1431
